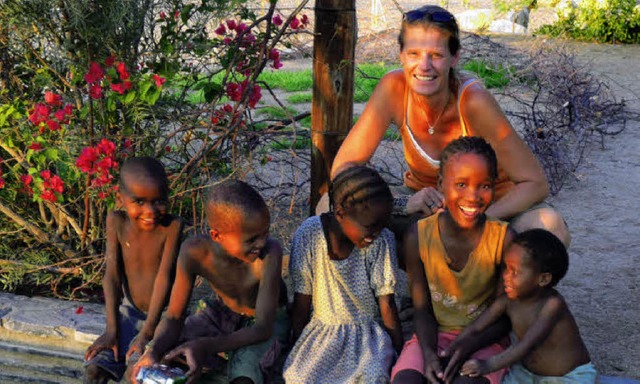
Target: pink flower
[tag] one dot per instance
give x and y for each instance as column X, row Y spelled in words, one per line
column 232, row 24
column 127, row 143
column 105, row 164
column 241, row 27
column 167, row 149
column 46, row 174
column 48, row 196
column 118, row 88
column 122, row 71
column 163, row 15
column 106, row 147
column 1, row 183
column 276, row 64
column 35, row 146
column 227, row 40
column 95, row 74
column 277, row 20
column 68, row 109
column 295, row 23
column 95, row 91
column 304, row 20
column 53, row 125
column 221, row 30
column 227, row 108
column 159, row 80
column 127, row 85
column 26, row 179
column 176, row 14
column 110, row 60
column 52, row 99
column 39, row 114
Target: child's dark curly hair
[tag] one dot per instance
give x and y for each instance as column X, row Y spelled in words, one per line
column 139, row 167
column 356, row 185
column 470, row 144
column 546, row 251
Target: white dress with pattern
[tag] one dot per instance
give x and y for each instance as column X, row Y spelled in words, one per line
column 344, row 341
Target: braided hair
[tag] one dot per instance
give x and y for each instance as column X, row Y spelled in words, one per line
column 470, row 144
column 356, row 185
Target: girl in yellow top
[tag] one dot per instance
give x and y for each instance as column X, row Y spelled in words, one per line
column 453, row 260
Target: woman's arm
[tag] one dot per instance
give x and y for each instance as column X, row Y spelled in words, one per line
column 380, row 111
column 486, row 119
column 391, row 320
column 300, row 314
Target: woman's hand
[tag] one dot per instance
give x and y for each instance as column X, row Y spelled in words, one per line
column 426, row 201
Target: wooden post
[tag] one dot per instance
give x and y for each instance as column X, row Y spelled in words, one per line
column 332, row 104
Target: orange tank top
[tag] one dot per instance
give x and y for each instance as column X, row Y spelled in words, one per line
column 422, row 169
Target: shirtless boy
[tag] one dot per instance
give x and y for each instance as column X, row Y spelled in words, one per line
column 243, row 266
column 547, row 347
column 141, row 250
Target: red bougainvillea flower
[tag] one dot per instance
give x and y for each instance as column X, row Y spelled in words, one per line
column 110, row 60
column 54, row 184
column 122, row 71
column 227, row 40
column 234, row 91
column 106, row 147
column 304, row 20
column 127, row 143
column 40, row 114
column 68, row 109
column 52, row 99
column 61, row 116
column 295, row 23
column 163, row 15
column 86, row 159
column 53, row 125
column 46, row 174
column 159, row 80
column 232, row 24
column 241, row 28
column 118, row 88
column 35, row 146
column 1, row 183
column 79, row 310
column 176, row 14
column 255, row 96
column 95, row 91
column 127, row 85
column 95, row 74
column 26, row 179
column 277, row 20
column 227, row 108
column 48, row 196
column 221, row 30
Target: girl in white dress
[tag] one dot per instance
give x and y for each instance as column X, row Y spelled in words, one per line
column 343, row 270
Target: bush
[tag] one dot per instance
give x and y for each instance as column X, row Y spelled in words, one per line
column 606, row 21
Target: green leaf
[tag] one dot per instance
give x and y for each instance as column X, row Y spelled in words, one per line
column 130, row 96
column 144, row 88
column 153, row 96
column 186, row 12
column 51, row 154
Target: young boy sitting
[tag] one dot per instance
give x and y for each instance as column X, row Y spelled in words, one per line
column 142, row 245
column 243, row 266
column 546, row 342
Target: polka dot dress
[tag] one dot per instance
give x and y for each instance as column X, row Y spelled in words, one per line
column 343, row 342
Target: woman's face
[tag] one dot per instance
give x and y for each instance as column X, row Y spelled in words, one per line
column 427, row 60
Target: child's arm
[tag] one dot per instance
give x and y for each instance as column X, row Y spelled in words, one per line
column 539, row 331
column 161, row 287
column 425, row 321
column 197, row 351
column 169, row 329
column 112, row 287
column 300, row 314
column 391, row 320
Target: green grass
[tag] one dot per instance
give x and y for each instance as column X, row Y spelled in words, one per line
column 290, row 81
column 277, row 112
column 491, row 76
column 300, row 98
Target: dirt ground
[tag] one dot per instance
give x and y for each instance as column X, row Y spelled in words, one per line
column 602, row 286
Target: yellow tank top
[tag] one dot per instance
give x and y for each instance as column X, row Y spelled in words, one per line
column 458, row 298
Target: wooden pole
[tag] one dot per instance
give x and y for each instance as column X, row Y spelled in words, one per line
column 333, row 71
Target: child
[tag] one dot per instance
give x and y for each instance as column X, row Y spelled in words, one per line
column 243, row 266
column 453, row 260
column 548, row 341
column 141, row 249
column 343, row 273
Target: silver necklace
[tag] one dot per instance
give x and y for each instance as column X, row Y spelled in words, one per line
column 431, row 129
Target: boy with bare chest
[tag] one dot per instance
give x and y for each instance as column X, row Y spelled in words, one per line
column 243, row 266
column 142, row 246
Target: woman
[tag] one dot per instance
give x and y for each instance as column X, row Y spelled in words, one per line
column 433, row 105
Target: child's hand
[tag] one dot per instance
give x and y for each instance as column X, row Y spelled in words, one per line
column 105, row 341
column 138, row 345
column 433, row 369
column 146, row 360
column 474, row 368
column 197, row 355
column 456, row 354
